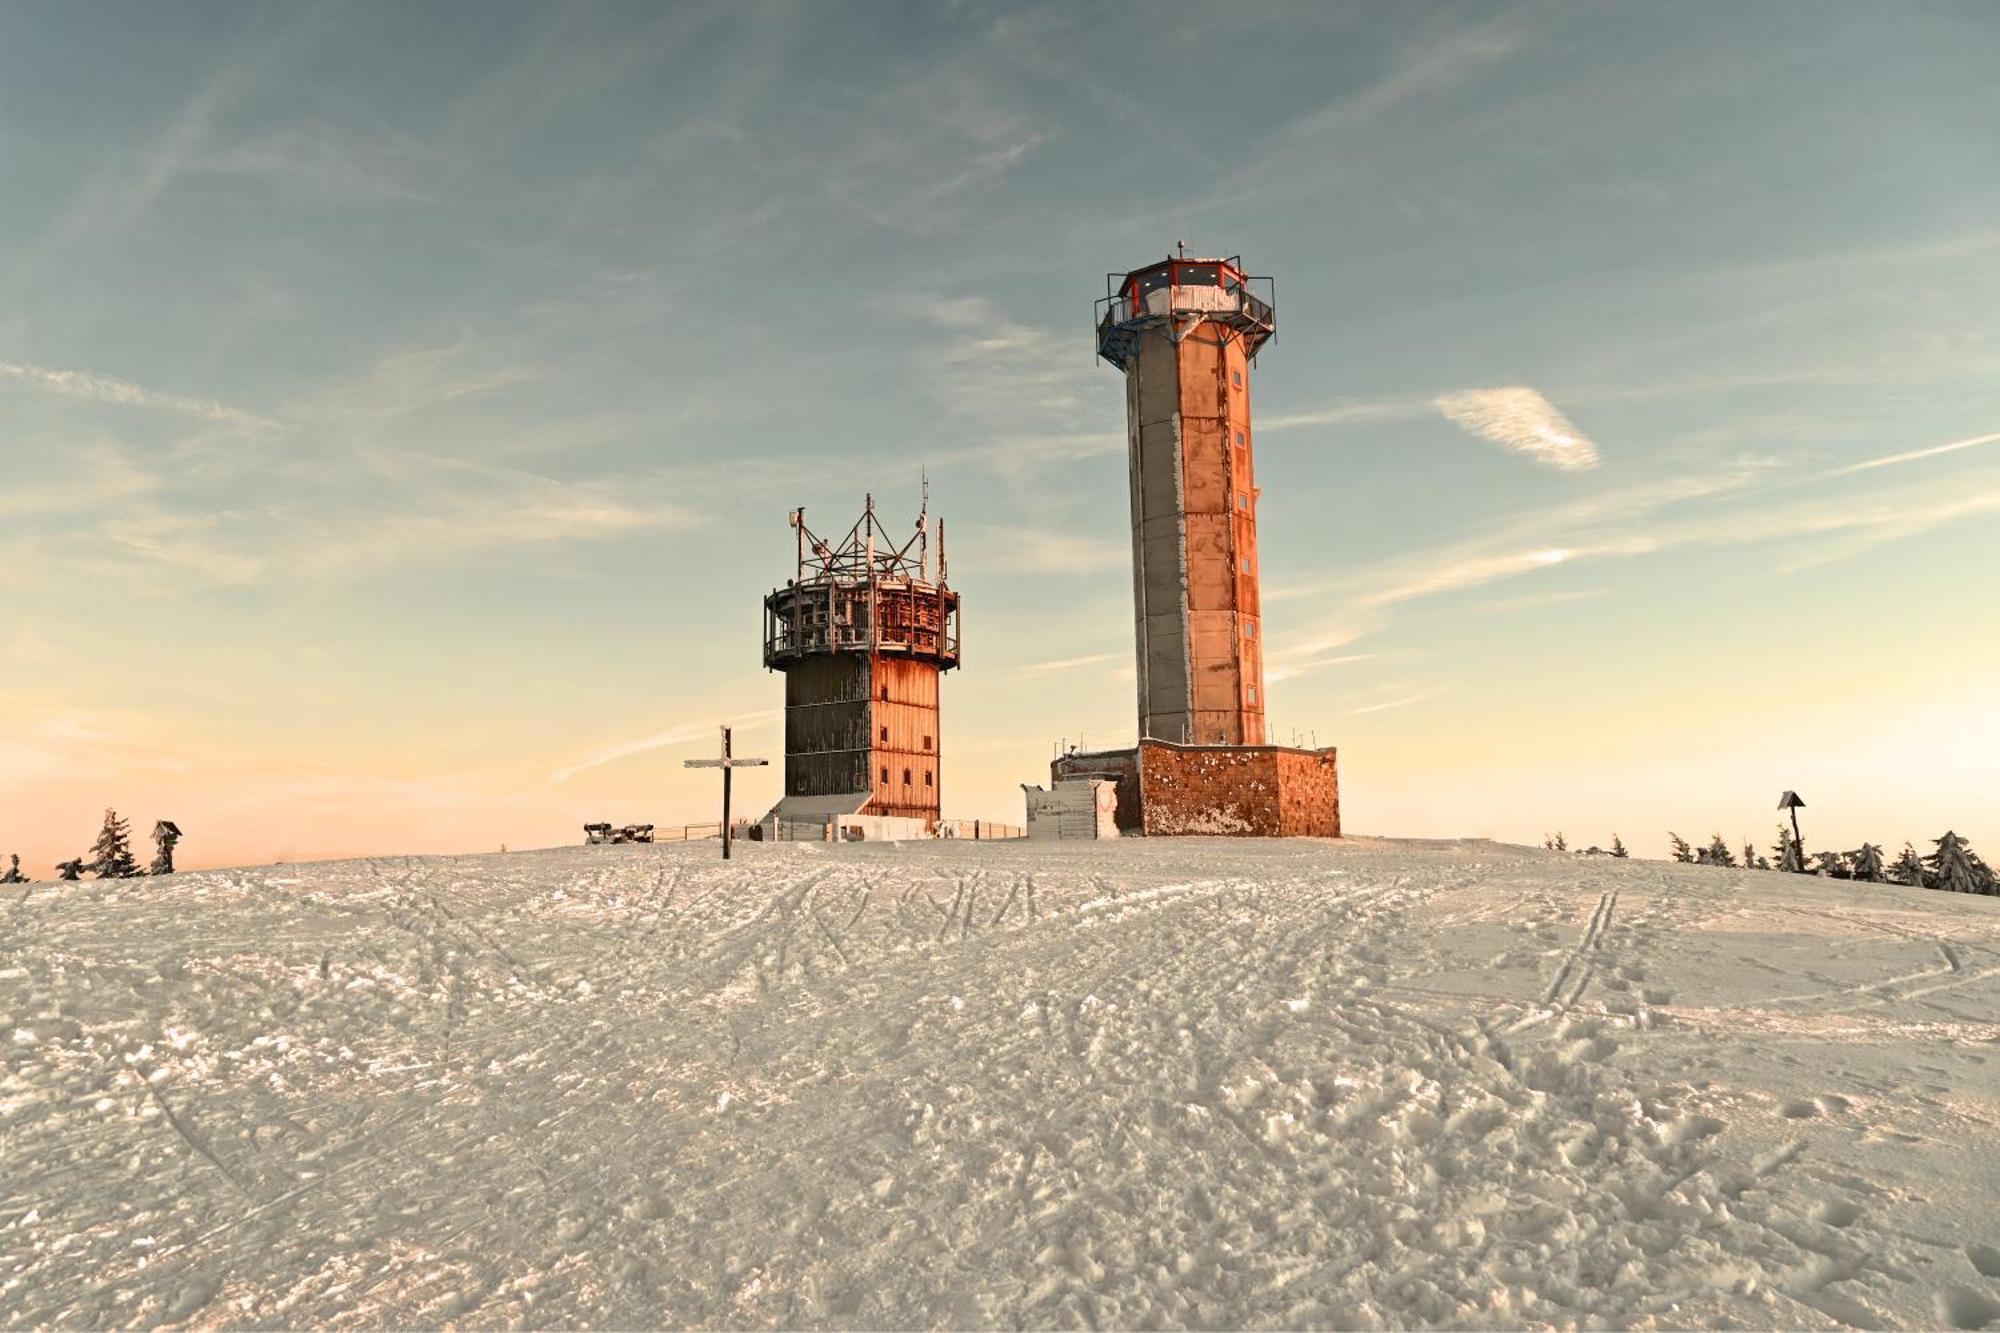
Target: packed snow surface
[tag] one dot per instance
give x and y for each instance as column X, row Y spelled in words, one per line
column 1187, row 1082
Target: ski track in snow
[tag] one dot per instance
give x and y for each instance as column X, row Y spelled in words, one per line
column 1186, row 1082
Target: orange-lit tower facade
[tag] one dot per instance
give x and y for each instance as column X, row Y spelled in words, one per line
column 1185, row 332
column 863, row 632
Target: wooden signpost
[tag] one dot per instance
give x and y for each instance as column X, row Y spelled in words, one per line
column 726, row 764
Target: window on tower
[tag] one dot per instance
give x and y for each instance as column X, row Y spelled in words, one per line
column 885, row 735
column 906, row 777
column 885, row 775
column 1236, row 378
column 927, row 777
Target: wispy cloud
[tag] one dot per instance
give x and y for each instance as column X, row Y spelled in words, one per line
column 1403, row 702
column 1915, row 454
column 1441, row 64
column 1348, row 413
column 1072, row 663
column 1037, row 551
column 1522, row 420
column 106, row 389
column 1290, row 668
column 680, row 735
column 1534, row 600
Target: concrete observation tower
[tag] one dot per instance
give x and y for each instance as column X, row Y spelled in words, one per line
column 863, row 633
column 1185, row 332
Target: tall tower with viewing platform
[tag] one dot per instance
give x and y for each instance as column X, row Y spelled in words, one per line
column 1185, row 332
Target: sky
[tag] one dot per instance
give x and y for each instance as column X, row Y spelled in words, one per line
column 400, row 405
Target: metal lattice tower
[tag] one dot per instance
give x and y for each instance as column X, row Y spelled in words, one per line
column 863, row 632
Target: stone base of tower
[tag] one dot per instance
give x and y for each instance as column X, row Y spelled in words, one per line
column 1253, row 791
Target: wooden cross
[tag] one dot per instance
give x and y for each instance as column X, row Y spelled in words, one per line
column 725, row 763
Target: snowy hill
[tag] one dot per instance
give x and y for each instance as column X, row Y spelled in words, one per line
column 1189, row 1082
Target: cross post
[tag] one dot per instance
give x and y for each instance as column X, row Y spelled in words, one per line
column 726, row 764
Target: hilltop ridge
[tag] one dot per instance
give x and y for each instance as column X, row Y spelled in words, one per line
column 1145, row 1082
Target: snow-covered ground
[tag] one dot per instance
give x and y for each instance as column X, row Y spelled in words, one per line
column 1140, row 1083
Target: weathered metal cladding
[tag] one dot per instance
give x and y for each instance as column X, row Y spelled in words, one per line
column 905, row 760
column 827, row 715
column 1200, row 653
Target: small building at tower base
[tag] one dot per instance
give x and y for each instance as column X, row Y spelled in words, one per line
column 1166, row 789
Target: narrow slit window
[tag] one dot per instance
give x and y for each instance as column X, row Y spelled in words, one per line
column 927, row 777
column 885, row 735
column 1236, row 378
column 906, row 777
column 885, row 776
column 1239, row 437
column 885, row 694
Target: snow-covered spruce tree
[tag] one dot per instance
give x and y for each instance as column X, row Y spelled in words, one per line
column 1749, row 855
column 1790, row 855
column 1829, row 864
column 1617, row 847
column 1682, row 852
column 1865, row 864
column 1560, row 845
column 165, row 834
column 1763, row 862
column 1954, row 868
column 1719, row 853
column 111, row 856
column 1908, row 869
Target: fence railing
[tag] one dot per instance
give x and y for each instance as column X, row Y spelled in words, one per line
column 815, row 830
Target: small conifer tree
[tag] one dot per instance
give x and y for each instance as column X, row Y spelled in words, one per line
column 1682, row 852
column 1865, row 864
column 14, row 875
column 1954, row 867
column 165, row 835
column 1908, row 869
column 1719, row 853
column 111, row 856
column 1617, row 847
column 1790, row 855
column 1829, row 864
column 1560, row 845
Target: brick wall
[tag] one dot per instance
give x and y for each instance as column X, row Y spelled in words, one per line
column 1263, row 791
